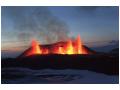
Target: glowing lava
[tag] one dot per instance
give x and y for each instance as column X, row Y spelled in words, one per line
column 35, row 49
column 60, row 50
column 69, row 47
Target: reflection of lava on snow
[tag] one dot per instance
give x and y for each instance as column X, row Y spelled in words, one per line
column 69, row 47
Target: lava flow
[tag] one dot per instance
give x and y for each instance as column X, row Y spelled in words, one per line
column 69, row 47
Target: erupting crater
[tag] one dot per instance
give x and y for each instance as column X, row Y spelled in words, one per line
column 68, row 47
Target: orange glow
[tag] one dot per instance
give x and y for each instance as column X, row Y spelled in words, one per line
column 79, row 45
column 60, row 50
column 45, row 51
column 70, row 47
column 35, row 49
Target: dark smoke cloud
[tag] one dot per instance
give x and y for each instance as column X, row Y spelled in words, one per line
column 37, row 22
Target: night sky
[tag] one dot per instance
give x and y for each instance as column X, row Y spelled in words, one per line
column 97, row 26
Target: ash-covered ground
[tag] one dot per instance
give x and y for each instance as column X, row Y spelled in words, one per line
column 61, row 69
column 50, row 76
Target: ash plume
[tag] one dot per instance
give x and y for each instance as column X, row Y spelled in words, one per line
column 38, row 23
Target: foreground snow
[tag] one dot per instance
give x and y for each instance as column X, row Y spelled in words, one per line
column 23, row 75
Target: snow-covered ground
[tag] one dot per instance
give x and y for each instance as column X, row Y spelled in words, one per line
column 67, row 76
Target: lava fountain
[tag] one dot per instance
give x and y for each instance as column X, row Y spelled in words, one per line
column 69, row 47
column 35, row 49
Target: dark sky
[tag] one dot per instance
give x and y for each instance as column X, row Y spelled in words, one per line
column 97, row 26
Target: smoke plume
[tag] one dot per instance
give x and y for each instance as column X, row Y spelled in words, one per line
column 37, row 23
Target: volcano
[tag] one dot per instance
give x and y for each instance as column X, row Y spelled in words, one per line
column 64, row 47
column 70, row 54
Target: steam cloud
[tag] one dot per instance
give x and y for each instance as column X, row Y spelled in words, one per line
column 38, row 22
